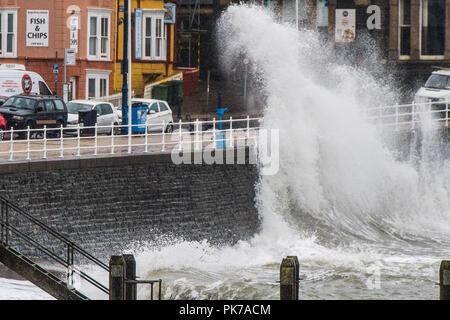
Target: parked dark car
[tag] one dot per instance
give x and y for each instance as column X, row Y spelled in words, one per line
column 2, row 127
column 24, row 111
column 3, row 100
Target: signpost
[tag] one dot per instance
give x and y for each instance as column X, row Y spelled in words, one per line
column 69, row 60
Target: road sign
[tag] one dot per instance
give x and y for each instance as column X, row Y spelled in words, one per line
column 55, row 68
column 70, row 57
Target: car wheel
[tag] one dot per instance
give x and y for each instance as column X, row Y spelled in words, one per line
column 115, row 129
column 169, row 128
column 24, row 134
column 56, row 133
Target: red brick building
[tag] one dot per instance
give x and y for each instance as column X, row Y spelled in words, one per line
column 34, row 33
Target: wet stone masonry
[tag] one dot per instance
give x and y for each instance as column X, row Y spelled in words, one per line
column 106, row 204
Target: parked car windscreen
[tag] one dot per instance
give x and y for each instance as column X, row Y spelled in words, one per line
column 20, row 103
column 438, row 81
column 74, row 107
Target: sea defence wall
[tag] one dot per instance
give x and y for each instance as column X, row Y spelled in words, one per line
column 105, row 204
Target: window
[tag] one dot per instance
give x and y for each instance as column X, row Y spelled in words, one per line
column 97, row 84
column 99, row 34
column 99, row 109
column 148, row 37
column 91, row 89
column 405, row 27
column 163, row 107
column 49, row 106
column 154, row 34
column 59, row 105
column 8, row 32
column 103, row 87
column 295, row 12
column 106, row 109
column 433, row 27
column 43, row 89
column 154, row 108
column 40, row 107
column 158, row 38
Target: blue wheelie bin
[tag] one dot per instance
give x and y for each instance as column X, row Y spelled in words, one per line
column 139, row 118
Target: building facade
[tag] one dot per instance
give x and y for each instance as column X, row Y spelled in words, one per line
column 36, row 34
column 413, row 36
column 153, row 34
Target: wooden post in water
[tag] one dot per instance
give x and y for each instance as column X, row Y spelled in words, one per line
column 289, row 278
column 130, row 274
column 444, row 280
column 116, row 278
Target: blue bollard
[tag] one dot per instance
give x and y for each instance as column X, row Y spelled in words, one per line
column 220, row 136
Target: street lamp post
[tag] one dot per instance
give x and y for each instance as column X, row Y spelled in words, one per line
column 126, row 69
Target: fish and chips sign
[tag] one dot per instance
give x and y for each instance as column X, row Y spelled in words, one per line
column 37, row 28
column 345, row 25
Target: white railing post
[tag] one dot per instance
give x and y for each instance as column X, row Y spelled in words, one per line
column 180, row 136
column 112, row 138
column 214, row 133
column 130, row 136
column 146, row 138
column 380, row 114
column 28, row 142
column 163, row 140
column 231, row 132
column 61, row 142
column 446, row 114
column 11, row 145
column 197, row 142
column 45, row 142
column 413, row 115
column 248, row 129
column 95, row 140
column 78, row 141
column 396, row 117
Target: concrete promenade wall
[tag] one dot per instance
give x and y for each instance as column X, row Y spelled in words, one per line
column 104, row 204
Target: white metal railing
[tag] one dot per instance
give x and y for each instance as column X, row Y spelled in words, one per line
column 77, row 141
column 409, row 116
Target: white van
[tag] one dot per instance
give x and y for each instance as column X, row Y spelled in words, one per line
column 14, row 79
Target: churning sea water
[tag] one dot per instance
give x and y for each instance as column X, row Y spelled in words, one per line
column 363, row 224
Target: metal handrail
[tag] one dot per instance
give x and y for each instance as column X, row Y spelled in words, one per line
column 151, row 283
column 5, row 224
